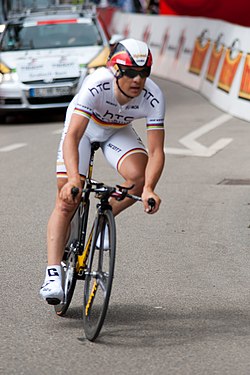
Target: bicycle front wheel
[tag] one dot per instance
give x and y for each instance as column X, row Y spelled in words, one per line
column 69, row 274
column 99, row 274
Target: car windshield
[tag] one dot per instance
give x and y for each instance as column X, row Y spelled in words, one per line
column 50, row 35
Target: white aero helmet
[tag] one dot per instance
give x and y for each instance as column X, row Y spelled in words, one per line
column 130, row 53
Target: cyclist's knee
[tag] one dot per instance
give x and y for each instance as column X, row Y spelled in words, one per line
column 133, row 169
column 66, row 209
column 63, row 208
column 137, row 182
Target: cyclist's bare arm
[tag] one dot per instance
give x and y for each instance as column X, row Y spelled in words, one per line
column 156, row 159
column 77, row 127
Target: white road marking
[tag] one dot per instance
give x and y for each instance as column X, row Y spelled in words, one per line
column 194, row 148
column 12, row 147
column 58, row 131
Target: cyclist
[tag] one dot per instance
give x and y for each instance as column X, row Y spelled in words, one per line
column 103, row 110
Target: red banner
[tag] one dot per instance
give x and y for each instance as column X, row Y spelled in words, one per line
column 228, row 10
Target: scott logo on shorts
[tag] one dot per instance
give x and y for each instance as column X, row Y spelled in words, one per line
column 115, row 148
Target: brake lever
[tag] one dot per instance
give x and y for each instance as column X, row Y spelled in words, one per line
column 121, row 188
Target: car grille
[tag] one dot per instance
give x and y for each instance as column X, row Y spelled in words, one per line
column 51, row 100
column 12, row 101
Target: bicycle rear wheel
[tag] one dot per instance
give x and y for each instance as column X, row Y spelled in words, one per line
column 69, row 276
column 99, row 275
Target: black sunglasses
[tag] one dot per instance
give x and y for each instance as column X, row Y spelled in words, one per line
column 132, row 73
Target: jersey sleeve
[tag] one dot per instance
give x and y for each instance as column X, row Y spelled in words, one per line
column 156, row 113
column 85, row 101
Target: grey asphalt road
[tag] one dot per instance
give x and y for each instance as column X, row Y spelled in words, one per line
column 181, row 297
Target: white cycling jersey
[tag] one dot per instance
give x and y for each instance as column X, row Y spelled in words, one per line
column 110, row 122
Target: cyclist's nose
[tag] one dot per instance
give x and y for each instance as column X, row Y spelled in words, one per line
column 137, row 78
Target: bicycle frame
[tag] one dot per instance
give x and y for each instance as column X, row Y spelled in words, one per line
column 90, row 256
column 82, row 250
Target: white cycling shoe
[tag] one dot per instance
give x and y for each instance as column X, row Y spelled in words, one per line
column 51, row 291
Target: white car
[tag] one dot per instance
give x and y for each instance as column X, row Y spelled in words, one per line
column 45, row 57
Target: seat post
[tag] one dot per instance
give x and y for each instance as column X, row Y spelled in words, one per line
column 94, row 148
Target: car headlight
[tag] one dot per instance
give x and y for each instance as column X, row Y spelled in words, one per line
column 4, row 69
column 6, row 74
column 99, row 61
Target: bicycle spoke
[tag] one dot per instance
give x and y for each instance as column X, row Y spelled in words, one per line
column 103, row 281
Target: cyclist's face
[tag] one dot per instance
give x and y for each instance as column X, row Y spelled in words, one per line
column 131, row 83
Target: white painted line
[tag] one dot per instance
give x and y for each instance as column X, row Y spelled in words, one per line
column 178, row 151
column 58, row 131
column 12, row 147
column 194, row 148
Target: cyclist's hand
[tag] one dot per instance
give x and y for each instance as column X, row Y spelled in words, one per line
column 146, row 197
column 66, row 192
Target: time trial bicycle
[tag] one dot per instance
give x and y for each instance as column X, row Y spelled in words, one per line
column 91, row 256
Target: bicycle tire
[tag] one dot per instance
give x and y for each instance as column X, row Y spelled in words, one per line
column 69, row 277
column 99, row 276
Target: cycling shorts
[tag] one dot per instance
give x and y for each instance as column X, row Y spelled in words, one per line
column 116, row 148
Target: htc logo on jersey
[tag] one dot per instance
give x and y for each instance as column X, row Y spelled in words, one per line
column 117, row 117
column 149, row 96
column 105, row 86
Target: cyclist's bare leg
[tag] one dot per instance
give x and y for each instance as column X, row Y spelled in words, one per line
column 57, row 231
column 133, row 171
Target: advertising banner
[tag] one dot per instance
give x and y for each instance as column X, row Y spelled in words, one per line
column 245, row 80
column 200, row 51
column 215, row 58
column 210, row 56
column 229, row 68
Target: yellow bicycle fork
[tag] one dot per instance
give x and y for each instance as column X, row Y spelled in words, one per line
column 81, row 259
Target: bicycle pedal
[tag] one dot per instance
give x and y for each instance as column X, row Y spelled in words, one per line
column 53, row 301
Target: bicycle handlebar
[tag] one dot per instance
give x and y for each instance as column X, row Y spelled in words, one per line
column 151, row 203
column 118, row 192
column 74, row 191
